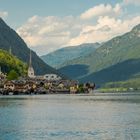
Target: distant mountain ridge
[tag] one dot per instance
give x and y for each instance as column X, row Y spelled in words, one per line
column 114, row 58
column 60, row 56
column 10, row 39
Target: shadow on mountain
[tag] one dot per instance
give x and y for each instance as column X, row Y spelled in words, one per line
column 74, row 70
column 119, row 72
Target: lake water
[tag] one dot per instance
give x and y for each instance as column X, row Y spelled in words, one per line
column 70, row 117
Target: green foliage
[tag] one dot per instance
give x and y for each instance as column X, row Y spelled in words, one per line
column 9, row 62
column 132, row 84
column 12, row 75
column 81, row 88
column 119, row 89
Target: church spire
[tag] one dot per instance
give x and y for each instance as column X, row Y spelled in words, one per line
column 0, row 70
column 10, row 50
column 30, row 60
column 30, row 68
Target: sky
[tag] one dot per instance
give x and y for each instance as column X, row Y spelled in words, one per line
column 47, row 25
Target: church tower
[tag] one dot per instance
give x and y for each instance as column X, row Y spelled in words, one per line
column 30, row 68
column 10, row 50
column 0, row 70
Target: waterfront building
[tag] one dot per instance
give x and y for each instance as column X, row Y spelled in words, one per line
column 9, row 85
column 52, row 77
column 19, row 86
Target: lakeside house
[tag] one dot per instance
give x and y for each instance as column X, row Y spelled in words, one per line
column 2, row 80
column 19, row 86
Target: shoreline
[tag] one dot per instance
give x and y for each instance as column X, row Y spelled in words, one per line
column 79, row 94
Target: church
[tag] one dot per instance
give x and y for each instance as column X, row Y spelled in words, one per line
column 31, row 73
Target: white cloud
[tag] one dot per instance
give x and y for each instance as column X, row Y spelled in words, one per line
column 105, row 29
column 101, row 10
column 46, row 34
column 3, row 14
column 51, row 32
column 136, row 2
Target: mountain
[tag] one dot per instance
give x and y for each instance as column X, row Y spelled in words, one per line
column 9, row 62
column 10, row 39
column 116, row 60
column 58, row 57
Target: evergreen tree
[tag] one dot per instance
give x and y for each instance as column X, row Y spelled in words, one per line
column 12, row 75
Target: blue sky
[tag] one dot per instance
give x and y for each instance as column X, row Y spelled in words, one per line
column 20, row 10
column 47, row 25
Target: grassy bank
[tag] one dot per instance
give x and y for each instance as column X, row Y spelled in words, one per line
column 122, row 86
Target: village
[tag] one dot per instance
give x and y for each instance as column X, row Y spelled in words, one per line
column 41, row 84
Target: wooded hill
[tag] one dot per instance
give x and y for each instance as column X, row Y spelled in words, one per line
column 9, row 62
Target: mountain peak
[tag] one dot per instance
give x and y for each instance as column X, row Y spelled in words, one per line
column 136, row 28
column 136, row 31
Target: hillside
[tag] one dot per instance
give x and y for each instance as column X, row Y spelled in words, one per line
column 116, row 60
column 58, row 57
column 10, row 39
column 9, row 62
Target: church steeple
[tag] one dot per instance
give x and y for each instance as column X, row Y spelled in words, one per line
column 30, row 59
column 0, row 70
column 30, row 68
column 10, row 50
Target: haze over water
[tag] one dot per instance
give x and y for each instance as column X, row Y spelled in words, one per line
column 75, row 117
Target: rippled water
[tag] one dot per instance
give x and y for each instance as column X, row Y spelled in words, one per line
column 70, row 117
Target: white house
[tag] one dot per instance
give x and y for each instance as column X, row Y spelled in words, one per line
column 52, row 77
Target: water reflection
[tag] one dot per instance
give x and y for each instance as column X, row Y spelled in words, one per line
column 76, row 117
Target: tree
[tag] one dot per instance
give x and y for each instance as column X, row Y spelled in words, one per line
column 12, row 75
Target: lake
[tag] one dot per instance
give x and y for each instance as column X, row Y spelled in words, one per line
column 70, row 117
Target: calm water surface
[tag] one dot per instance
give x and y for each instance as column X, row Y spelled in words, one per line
column 70, row 117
